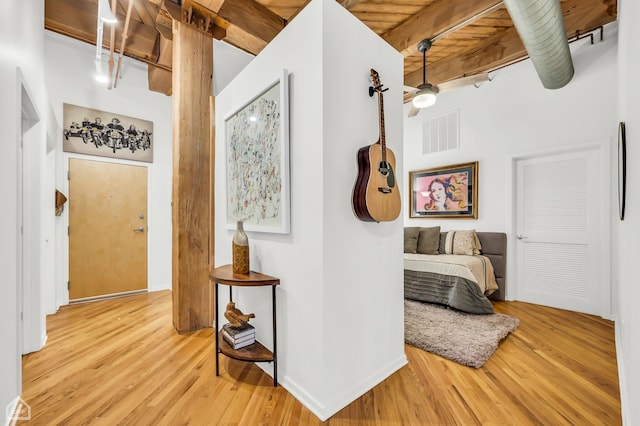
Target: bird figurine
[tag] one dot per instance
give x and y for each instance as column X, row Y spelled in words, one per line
column 235, row 315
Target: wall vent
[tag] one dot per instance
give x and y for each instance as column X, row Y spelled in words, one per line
column 441, row 133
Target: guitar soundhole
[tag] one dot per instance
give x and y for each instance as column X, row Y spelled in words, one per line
column 384, row 168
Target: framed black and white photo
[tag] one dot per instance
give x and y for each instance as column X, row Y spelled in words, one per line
column 257, row 160
column 106, row 134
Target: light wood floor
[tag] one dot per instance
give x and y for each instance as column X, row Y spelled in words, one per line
column 120, row 362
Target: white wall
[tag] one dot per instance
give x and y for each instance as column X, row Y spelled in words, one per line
column 626, row 251
column 363, row 269
column 336, row 272
column 228, row 61
column 21, row 46
column 10, row 385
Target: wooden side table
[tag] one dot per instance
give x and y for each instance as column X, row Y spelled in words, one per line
column 255, row 352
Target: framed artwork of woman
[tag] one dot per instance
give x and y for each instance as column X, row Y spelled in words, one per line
column 444, row 192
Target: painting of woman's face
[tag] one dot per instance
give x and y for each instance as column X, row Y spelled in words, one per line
column 437, row 192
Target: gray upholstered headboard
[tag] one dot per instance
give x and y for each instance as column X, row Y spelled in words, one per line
column 494, row 246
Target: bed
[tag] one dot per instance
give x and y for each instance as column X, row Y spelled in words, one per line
column 459, row 269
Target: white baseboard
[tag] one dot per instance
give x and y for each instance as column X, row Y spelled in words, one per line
column 624, row 397
column 325, row 411
column 107, row 296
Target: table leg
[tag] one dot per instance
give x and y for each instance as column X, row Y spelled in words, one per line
column 215, row 327
column 275, row 338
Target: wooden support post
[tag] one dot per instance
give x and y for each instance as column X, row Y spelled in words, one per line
column 192, row 88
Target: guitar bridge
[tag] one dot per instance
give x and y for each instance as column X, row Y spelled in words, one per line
column 385, row 190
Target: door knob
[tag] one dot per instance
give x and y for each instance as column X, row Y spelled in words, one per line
column 521, row 237
column 141, row 229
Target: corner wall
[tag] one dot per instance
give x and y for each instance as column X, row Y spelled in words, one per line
column 10, row 378
column 21, row 49
column 336, row 272
column 363, row 263
column 626, row 250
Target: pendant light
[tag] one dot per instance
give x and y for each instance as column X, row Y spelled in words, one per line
column 426, row 95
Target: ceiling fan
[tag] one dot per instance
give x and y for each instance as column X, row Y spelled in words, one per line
column 425, row 94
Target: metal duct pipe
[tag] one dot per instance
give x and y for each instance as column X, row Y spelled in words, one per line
column 541, row 28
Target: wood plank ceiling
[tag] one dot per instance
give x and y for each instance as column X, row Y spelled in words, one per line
column 463, row 46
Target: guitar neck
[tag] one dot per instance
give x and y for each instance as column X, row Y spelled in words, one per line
column 382, row 136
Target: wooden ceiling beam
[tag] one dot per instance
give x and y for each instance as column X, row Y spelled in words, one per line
column 253, row 18
column 347, row 4
column 78, row 20
column 146, row 12
column 160, row 80
column 583, row 19
column 249, row 25
column 432, row 20
column 196, row 16
column 213, row 5
column 244, row 40
column 159, row 75
column 505, row 46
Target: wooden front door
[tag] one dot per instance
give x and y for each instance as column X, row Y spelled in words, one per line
column 107, row 229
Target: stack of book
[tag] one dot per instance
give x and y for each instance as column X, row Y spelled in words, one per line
column 239, row 337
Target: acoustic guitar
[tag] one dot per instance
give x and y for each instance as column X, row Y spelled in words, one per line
column 376, row 197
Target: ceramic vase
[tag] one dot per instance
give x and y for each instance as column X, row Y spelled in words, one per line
column 240, row 250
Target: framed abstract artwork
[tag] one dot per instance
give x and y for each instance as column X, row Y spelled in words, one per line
column 444, row 192
column 257, row 161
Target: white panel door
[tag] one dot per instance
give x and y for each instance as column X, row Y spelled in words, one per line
column 558, row 219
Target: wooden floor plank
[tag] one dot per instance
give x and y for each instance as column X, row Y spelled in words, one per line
column 119, row 361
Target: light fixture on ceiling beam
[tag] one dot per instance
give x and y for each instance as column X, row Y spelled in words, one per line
column 541, row 28
column 105, row 13
column 426, row 95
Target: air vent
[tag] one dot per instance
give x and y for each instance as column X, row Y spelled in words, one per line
column 441, row 133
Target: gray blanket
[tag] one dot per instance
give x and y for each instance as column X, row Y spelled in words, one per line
column 457, row 292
